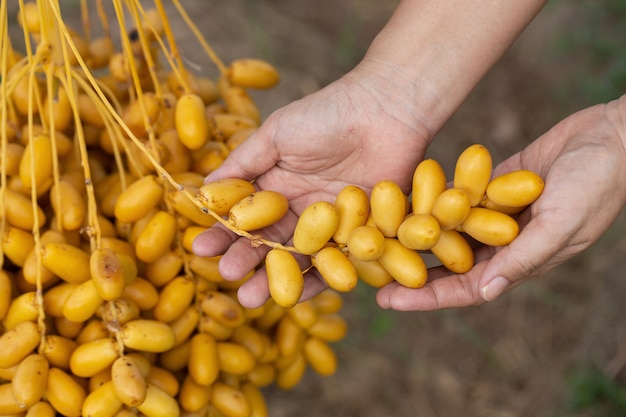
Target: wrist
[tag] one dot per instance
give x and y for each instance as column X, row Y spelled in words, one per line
column 408, row 98
column 432, row 53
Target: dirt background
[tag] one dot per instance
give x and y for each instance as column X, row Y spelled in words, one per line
column 521, row 355
column 518, row 356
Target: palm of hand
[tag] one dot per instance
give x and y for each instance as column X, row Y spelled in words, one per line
column 314, row 147
column 582, row 161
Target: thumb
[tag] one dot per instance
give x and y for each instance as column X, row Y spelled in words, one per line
column 538, row 242
column 253, row 157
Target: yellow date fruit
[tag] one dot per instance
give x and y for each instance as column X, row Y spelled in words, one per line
column 24, row 307
column 5, row 293
column 107, row 273
column 419, row 231
column 229, row 400
column 353, row 208
column 515, row 189
column 164, row 269
column 258, row 210
column 289, row 337
column 304, row 314
column 223, row 308
column 163, row 379
column 490, row 227
column 36, row 164
column 17, row 244
column 366, row 243
column 17, row 343
column 147, row 335
column 234, row 358
column 8, row 405
column 156, row 237
column 371, row 272
column 29, row 381
column 203, row 359
column 102, row 401
column 129, row 383
column 138, row 199
column 68, row 262
column 238, row 101
column 330, row 327
column 388, row 207
column 224, row 125
column 142, row 293
column 158, row 403
column 221, row 195
column 252, row 73
column 336, row 269
column 315, row 226
column 64, row 393
column 58, row 350
column 284, row 277
column 251, row 339
column 186, row 208
column 68, row 204
column 451, row 208
column 82, row 302
column 429, row 181
column 256, row 399
column 141, row 113
column 174, row 299
column 320, row 356
column 92, row 357
column 290, row 376
column 454, row 252
column 191, row 122
column 19, row 211
column 405, row 265
column 41, row 409
column 185, row 324
column 472, row 172
column 193, row 397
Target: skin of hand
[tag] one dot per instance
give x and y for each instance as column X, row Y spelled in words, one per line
column 582, row 160
column 343, row 131
column 374, row 123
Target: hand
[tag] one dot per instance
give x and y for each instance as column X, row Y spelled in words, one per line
column 582, row 160
column 355, row 131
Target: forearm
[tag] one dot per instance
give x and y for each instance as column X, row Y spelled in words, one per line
column 432, row 53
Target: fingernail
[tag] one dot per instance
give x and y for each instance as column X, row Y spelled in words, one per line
column 496, row 287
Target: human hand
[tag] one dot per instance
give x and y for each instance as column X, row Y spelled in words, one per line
column 582, row 160
column 355, row 131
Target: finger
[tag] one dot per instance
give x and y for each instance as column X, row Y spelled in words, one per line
column 213, row 241
column 241, row 257
column 254, row 292
column 446, row 291
column 538, row 242
column 313, row 285
column 250, row 159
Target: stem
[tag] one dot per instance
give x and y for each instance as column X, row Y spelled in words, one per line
column 207, row 48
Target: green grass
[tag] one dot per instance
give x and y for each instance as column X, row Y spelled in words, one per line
column 591, row 391
column 593, row 51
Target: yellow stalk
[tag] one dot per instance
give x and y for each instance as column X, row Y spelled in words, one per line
column 173, row 47
column 255, row 239
column 104, row 19
column 207, row 48
column 4, row 99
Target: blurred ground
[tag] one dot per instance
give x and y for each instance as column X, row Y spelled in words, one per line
column 519, row 355
column 513, row 357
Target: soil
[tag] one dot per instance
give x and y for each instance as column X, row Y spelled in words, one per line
column 512, row 357
column 508, row 358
